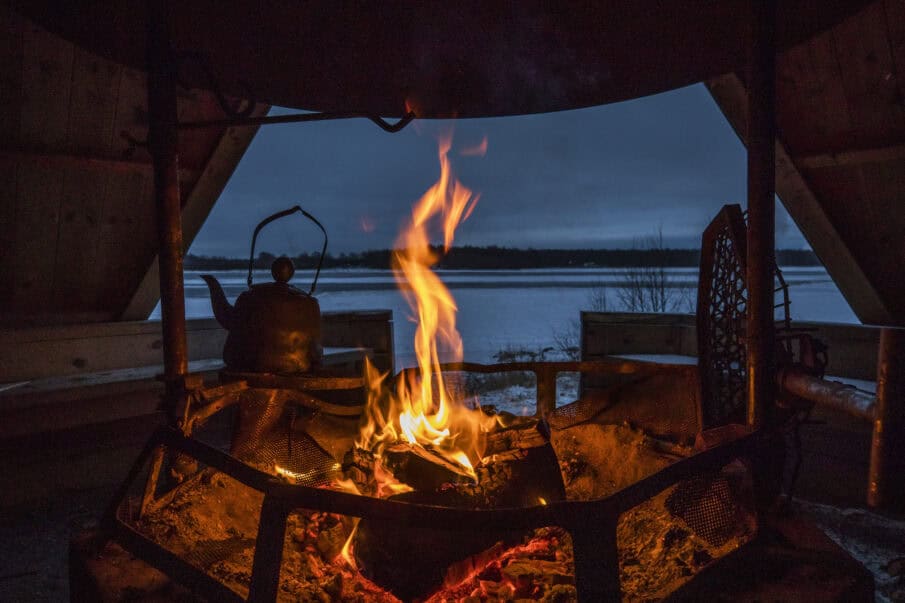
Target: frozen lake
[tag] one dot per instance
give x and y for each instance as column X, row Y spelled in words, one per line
column 517, row 309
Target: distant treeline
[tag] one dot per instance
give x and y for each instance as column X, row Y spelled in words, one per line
column 501, row 258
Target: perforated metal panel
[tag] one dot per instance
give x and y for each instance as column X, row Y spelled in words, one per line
column 722, row 297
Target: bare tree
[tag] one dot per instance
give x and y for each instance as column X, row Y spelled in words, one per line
column 651, row 288
column 647, row 288
column 567, row 339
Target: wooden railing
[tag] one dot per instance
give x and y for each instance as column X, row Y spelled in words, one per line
column 852, row 348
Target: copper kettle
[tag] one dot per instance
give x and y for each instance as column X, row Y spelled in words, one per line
column 274, row 327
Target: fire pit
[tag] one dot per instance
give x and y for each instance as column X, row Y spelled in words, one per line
column 639, row 517
column 421, row 493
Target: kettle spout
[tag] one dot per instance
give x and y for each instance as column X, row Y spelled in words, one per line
column 223, row 312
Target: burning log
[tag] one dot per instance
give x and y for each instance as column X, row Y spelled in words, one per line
column 522, row 471
column 394, row 472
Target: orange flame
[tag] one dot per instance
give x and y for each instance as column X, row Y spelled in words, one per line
column 422, row 411
column 479, row 150
column 346, row 555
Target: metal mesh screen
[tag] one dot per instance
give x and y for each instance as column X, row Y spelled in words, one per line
column 708, row 506
column 209, row 521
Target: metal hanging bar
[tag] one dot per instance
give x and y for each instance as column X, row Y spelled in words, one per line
column 265, row 120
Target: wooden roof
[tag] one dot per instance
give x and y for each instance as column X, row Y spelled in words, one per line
column 77, row 219
column 448, row 59
column 841, row 152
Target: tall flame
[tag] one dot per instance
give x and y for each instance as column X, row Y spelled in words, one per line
column 421, row 410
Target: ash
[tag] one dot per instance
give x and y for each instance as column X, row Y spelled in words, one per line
column 212, row 523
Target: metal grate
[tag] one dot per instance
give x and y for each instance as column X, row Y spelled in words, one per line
column 239, row 562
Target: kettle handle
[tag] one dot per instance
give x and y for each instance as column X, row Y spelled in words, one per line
column 277, row 216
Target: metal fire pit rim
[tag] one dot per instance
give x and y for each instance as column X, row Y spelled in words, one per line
column 565, row 513
column 591, row 523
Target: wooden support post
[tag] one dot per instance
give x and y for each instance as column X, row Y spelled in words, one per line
column 163, row 146
column 761, row 210
column 886, row 483
column 546, row 391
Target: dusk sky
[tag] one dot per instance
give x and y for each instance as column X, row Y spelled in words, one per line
column 603, row 177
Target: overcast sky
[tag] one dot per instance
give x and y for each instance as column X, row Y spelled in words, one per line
column 603, row 177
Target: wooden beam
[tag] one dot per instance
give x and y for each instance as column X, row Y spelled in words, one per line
column 853, row 348
column 887, row 453
column 761, row 248
column 163, row 144
column 59, row 160
column 79, row 350
column 198, row 205
column 802, row 204
column 853, row 157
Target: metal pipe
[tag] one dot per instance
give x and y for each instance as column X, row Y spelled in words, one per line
column 886, row 481
column 761, row 211
column 836, row 395
column 162, row 144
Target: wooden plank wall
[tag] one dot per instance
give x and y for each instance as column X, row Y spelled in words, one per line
column 852, row 348
column 839, row 98
column 72, row 377
column 77, row 222
column 42, row 352
column 841, row 152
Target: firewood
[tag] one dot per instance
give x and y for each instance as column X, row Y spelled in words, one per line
column 421, row 468
column 523, row 471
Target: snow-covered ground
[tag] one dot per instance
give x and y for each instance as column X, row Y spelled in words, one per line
column 510, row 309
column 876, row 541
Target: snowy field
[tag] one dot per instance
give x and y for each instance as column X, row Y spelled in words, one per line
column 510, row 309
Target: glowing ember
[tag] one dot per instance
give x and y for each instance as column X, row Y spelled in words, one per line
column 304, row 475
column 422, row 411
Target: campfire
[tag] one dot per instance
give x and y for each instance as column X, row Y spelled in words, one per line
column 423, row 494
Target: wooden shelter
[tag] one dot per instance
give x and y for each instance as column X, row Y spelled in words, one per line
column 105, row 178
column 121, row 123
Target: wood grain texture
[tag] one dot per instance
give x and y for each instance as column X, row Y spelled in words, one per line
column 826, row 204
column 852, row 348
column 77, row 226
column 66, row 350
